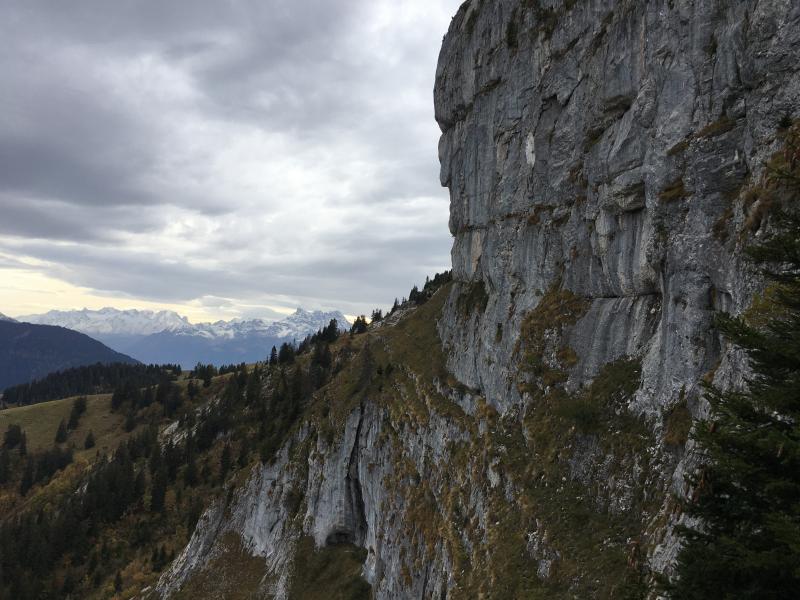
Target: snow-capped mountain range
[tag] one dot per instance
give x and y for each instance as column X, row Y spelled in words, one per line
column 111, row 321
column 166, row 337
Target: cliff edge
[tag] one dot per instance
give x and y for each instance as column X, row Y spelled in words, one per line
column 523, row 433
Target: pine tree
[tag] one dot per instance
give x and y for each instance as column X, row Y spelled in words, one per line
column 359, row 325
column 273, row 356
column 78, row 408
column 159, row 489
column 253, row 387
column 89, row 442
column 190, row 475
column 244, row 453
column 148, row 397
column 745, row 499
column 13, row 436
column 140, row 484
column 130, row 421
column 61, row 433
column 27, row 477
column 191, row 391
column 225, row 462
column 286, row 354
column 5, row 466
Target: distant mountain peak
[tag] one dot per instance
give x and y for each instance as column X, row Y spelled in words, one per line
column 5, row 318
column 165, row 336
column 112, row 321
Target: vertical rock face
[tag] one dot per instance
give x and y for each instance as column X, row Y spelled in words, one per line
column 600, row 146
column 597, row 154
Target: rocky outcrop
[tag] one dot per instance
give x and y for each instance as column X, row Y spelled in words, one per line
column 596, row 154
column 602, row 147
column 602, row 144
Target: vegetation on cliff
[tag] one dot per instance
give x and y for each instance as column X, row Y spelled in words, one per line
column 745, row 538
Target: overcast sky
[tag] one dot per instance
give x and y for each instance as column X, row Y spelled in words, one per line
column 220, row 158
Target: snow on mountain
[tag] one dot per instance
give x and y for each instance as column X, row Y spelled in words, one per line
column 303, row 322
column 166, row 337
column 114, row 322
column 296, row 326
column 5, row 318
column 111, row 321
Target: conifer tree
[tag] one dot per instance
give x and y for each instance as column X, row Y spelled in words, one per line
column 27, row 477
column 130, row 421
column 746, row 499
column 191, row 391
column 89, row 442
column 78, row 408
column 5, row 466
column 191, row 476
column 253, row 389
column 244, row 453
column 159, row 489
column 286, row 354
column 273, row 356
column 225, row 462
column 61, row 433
column 13, row 436
column 359, row 325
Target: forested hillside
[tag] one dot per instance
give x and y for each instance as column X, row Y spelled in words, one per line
column 99, row 493
column 92, row 379
column 29, row 352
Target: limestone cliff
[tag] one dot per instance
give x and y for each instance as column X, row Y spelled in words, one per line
column 522, row 433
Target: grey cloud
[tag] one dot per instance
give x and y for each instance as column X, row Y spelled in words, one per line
column 56, row 220
column 121, row 122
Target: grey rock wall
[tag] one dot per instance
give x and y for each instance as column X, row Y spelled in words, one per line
column 599, row 146
column 602, row 149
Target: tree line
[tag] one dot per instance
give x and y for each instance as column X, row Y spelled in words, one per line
column 92, row 379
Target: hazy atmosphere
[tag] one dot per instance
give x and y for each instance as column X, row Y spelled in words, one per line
column 224, row 160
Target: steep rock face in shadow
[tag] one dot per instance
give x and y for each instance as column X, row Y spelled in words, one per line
column 597, row 154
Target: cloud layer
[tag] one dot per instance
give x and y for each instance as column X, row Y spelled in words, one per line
column 232, row 154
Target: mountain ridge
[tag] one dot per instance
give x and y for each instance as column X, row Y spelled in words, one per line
column 166, row 337
column 114, row 321
column 29, row 351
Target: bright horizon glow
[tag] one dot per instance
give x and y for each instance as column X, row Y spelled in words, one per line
column 30, row 292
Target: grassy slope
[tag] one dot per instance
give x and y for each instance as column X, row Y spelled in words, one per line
column 132, row 539
column 40, row 422
column 531, row 454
